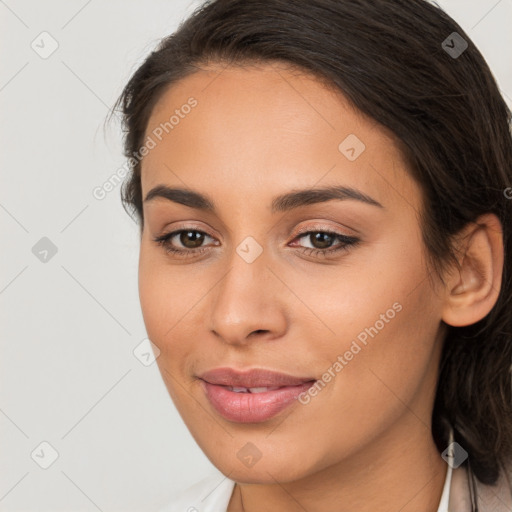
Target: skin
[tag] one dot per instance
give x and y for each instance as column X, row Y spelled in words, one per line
column 364, row 442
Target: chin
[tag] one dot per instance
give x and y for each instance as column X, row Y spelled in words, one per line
column 267, row 469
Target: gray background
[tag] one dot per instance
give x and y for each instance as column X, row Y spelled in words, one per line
column 70, row 323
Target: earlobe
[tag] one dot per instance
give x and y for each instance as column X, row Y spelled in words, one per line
column 473, row 289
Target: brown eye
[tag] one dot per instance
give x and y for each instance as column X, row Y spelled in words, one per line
column 189, row 242
column 321, row 240
column 191, row 239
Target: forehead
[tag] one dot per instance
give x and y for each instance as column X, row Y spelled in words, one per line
column 268, row 128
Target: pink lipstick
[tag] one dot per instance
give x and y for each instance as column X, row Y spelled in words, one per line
column 252, row 396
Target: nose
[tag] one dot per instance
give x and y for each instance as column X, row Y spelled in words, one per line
column 247, row 304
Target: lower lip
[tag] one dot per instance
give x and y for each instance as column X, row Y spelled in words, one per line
column 252, row 407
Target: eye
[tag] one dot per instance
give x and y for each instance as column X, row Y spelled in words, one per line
column 322, row 242
column 192, row 240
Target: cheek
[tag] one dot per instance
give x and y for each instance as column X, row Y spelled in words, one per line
column 383, row 319
column 153, row 297
column 164, row 319
column 169, row 298
column 375, row 288
column 388, row 359
column 158, row 297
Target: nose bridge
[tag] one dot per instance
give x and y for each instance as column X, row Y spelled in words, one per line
column 245, row 300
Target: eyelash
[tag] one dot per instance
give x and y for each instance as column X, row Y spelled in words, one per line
column 347, row 243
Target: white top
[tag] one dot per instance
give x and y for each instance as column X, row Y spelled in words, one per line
column 213, row 492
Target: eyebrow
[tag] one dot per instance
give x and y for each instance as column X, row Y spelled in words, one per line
column 281, row 203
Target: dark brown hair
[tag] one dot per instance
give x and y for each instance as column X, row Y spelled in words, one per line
column 392, row 60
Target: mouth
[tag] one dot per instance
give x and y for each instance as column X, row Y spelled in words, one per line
column 253, row 396
column 238, row 389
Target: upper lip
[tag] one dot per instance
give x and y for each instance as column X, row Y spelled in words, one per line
column 253, row 378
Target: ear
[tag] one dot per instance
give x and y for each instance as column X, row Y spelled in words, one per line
column 472, row 290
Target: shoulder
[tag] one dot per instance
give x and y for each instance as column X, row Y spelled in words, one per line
column 209, row 494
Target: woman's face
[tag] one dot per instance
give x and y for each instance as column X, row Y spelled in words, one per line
column 346, row 308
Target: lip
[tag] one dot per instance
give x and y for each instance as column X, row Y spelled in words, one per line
column 247, row 407
column 253, row 378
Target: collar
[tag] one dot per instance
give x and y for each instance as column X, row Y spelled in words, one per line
column 468, row 494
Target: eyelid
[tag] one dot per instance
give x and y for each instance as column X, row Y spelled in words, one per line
column 304, row 229
column 188, row 225
column 325, row 228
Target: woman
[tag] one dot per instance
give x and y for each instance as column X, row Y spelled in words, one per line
column 323, row 192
